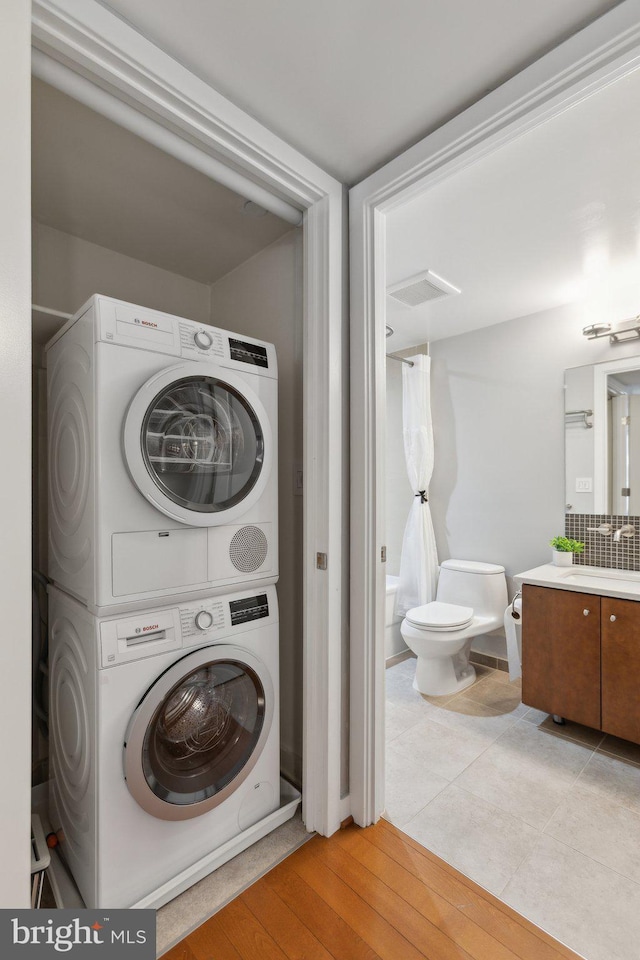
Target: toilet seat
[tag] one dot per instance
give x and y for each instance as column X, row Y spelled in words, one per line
column 440, row 616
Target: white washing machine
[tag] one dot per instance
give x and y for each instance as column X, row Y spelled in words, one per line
column 162, row 457
column 164, row 739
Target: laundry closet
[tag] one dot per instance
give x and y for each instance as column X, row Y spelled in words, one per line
column 114, row 215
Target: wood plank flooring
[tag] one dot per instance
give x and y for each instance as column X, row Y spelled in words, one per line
column 371, row 894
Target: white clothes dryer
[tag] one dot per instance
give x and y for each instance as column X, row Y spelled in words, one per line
column 162, row 457
column 164, row 733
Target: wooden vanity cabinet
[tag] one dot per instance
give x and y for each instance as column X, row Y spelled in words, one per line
column 581, row 658
column 561, row 653
column 621, row 668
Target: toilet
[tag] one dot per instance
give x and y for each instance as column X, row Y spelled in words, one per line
column 470, row 600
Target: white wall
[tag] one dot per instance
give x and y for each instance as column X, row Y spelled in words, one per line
column 15, row 397
column 498, row 402
column 263, row 298
column 68, row 270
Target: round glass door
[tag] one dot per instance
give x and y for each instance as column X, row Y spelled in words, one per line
column 197, row 734
column 198, row 442
column 202, row 444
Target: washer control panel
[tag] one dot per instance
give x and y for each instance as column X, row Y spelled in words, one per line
column 202, row 339
column 167, row 629
column 198, row 620
column 203, row 620
column 249, row 608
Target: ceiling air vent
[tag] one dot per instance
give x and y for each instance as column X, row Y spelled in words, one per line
column 421, row 288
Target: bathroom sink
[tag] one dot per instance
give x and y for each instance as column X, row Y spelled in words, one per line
column 605, row 580
column 624, row 584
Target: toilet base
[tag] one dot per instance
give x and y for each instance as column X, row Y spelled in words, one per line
column 437, row 677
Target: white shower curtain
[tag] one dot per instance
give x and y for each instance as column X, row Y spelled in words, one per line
column 419, row 561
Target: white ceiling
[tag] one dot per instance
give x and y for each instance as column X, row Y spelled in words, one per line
column 551, row 219
column 95, row 180
column 352, row 83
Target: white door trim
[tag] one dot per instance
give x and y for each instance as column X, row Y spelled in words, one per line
column 92, row 41
column 593, row 58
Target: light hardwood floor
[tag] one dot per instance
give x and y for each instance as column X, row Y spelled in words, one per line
column 362, row 895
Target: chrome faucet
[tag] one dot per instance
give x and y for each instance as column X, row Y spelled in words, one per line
column 605, row 529
column 626, row 530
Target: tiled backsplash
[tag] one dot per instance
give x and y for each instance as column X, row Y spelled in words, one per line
column 604, row 551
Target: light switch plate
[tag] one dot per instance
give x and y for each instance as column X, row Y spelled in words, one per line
column 584, row 485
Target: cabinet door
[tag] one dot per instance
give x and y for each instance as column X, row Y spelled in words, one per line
column 561, row 653
column 621, row 668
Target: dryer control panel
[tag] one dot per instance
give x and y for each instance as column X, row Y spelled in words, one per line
column 129, row 325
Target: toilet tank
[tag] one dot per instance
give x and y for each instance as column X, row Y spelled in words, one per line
column 471, row 583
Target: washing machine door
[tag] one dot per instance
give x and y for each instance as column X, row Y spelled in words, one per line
column 198, row 444
column 197, row 733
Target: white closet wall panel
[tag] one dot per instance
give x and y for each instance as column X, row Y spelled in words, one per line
column 67, row 271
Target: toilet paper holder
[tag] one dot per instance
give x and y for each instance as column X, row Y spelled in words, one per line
column 515, row 613
column 512, row 629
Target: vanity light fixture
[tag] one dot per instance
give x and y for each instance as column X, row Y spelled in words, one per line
column 617, row 333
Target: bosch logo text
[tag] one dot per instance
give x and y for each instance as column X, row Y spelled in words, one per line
column 145, row 323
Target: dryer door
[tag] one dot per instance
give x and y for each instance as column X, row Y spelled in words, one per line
column 197, row 733
column 197, row 442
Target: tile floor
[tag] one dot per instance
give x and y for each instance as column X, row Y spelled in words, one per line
column 545, row 817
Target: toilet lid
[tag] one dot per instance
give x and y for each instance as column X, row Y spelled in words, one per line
column 440, row 616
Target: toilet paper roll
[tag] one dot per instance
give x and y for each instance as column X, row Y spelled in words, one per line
column 512, row 629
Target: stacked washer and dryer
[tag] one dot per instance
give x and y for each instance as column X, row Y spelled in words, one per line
column 163, row 555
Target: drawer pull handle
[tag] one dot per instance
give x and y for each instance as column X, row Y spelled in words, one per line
column 586, row 613
column 613, row 618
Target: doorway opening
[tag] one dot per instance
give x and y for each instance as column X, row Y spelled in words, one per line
column 115, row 215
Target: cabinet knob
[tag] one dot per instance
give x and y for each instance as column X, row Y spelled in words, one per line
column 613, row 618
column 586, row 613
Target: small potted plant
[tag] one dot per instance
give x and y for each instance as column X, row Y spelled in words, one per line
column 564, row 549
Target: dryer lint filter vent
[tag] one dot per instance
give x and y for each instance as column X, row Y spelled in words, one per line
column 421, row 288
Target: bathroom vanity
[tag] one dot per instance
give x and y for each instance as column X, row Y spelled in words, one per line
column 581, row 646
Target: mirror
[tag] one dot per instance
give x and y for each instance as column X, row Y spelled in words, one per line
column 602, row 438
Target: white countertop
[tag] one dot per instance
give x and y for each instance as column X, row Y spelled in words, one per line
column 624, row 584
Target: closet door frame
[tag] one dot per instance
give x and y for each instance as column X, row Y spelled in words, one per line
column 90, row 40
